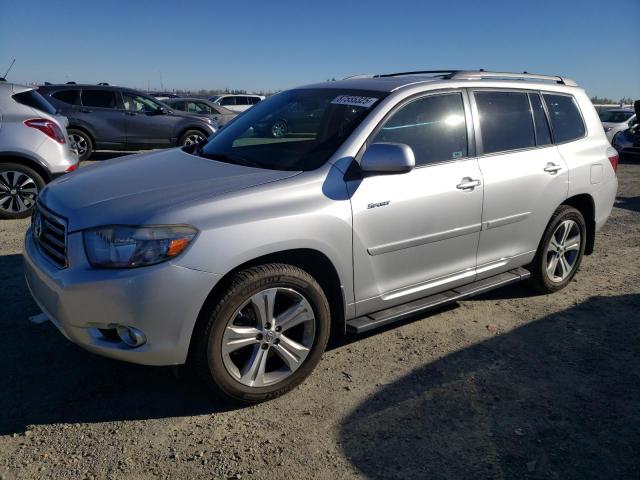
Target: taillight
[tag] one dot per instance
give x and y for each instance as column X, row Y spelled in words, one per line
column 72, row 168
column 49, row 128
column 614, row 161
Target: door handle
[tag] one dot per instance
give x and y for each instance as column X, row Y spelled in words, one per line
column 552, row 168
column 131, row 114
column 84, row 110
column 467, row 183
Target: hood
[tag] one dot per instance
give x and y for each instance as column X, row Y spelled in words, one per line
column 139, row 189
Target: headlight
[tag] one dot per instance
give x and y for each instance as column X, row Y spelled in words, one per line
column 122, row 246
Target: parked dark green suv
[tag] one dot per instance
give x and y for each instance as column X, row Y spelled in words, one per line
column 117, row 118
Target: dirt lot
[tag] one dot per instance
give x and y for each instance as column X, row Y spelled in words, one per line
column 508, row 385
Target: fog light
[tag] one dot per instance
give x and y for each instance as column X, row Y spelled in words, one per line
column 131, row 336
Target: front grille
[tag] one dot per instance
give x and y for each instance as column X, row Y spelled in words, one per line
column 50, row 232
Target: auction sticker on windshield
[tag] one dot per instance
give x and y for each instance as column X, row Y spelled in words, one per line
column 354, row 100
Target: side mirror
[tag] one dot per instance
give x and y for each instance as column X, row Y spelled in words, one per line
column 384, row 158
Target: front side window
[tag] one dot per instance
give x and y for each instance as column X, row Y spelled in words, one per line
column 225, row 101
column 434, row 127
column 566, row 120
column 506, row 122
column 198, row 107
column 293, row 130
column 99, row 98
column 137, row 103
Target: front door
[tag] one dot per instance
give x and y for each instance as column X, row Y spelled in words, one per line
column 417, row 233
column 146, row 127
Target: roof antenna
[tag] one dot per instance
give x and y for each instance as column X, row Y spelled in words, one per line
column 8, row 70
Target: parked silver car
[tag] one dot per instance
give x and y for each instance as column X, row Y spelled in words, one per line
column 220, row 115
column 34, row 148
column 241, row 256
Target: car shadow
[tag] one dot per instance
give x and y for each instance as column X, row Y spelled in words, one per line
column 628, row 203
column 108, row 155
column 46, row 379
column 556, row 398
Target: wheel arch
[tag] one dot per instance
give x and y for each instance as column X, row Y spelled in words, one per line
column 314, row 262
column 184, row 130
column 85, row 130
column 27, row 162
column 585, row 204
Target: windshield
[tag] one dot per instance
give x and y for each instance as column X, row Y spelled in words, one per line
column 613, row 116
column 293, row 130
column 33, row 99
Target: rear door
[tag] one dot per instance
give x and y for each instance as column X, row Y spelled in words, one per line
column 101, row 110
column 146, row 126
column 525, row 177
column 417, row 233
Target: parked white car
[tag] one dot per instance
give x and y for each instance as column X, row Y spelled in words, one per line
column 617, row 120
column 237, row 103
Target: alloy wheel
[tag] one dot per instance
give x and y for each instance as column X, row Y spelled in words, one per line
column 269, row 337
column 79, row 143
column 18, row 191
column 563, row 250
column 278, row 129
column 193, row 139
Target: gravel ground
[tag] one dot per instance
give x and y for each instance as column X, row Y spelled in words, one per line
column 507, row 385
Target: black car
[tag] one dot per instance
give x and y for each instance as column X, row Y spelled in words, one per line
column 292, row 120
column 115, row 118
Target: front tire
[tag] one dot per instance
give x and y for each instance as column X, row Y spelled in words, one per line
column 264, row 335
column 191, row 137
column 560, row 251
column 19, row 189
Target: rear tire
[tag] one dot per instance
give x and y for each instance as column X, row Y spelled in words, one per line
column 19, row 189
column 560, row 251
column 82, row 143
column 246, row 353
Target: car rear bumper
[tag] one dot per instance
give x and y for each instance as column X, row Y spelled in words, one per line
column 163, row 301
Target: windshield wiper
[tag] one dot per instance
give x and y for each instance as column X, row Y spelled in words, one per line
column 226, row 158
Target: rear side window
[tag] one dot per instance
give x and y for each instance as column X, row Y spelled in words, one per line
column 505, row 121
column 566, row 121
column 434, row 127
column 71, row 97
column 543, row 134
column 228, row 101
column 99, row 98
column 33, row 99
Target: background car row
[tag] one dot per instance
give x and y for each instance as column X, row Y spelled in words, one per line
column 116, row 118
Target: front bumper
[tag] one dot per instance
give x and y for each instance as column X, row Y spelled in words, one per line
column 163, row 301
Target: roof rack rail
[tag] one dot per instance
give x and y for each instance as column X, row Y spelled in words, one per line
column 444, row 73
column 359, row 75
column 480, row 74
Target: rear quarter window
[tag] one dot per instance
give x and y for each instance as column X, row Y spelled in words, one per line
column 33, row 99
column 566, row 121
column 71, row 97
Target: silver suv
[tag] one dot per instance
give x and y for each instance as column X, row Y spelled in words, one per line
column 400, row 193
column 34, row 148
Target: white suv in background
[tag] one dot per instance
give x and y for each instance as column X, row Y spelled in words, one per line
column 616, row 120
column 237, row 103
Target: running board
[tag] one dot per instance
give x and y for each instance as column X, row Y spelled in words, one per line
column 401, row 312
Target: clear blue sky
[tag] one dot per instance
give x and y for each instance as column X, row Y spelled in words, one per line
column 280, row 44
